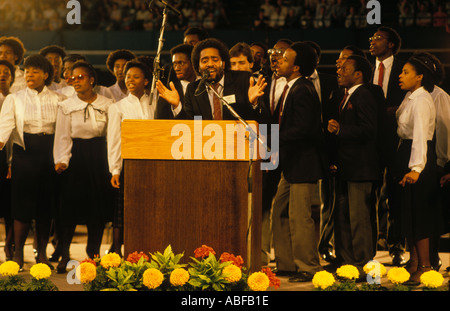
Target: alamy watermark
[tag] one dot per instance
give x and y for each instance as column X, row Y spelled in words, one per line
column 234, row 142
column 74, row 15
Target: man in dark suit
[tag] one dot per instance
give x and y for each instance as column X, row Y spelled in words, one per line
column 301, row 162
column 384, row 46
column 358, row 167
column 236, row 87
column 325, row 85
column 271, row 178
column 183, row 74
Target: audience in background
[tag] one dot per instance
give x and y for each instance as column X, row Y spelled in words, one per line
column 135, row 15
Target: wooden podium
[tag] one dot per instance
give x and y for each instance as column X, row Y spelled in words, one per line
column 186, row 184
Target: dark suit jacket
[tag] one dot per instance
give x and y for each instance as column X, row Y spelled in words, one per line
column 235, row 83
column 358, row 158
column 302, row 157
column 394, row 98
column 163, row 108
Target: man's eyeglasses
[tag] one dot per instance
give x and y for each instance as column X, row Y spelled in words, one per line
column 277, row 52
column 376, row 38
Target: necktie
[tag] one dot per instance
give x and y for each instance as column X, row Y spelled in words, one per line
column 217, row 104
column 380, row 74
column 341, row 105
column 280, row 103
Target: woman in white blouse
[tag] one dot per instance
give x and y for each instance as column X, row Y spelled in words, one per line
column 441, row 101
column 419, row 217
column 136, row 105
column 6, row 80
column 28, row 118
column 80, row 156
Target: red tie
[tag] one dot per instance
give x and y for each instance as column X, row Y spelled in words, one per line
column 380, row 74
column 217, row 104
column 280, row 103
column 341, row 105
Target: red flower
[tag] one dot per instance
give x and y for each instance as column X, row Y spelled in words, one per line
column 237, row 261
column 203, row 251
column 92, row 261
column 274, row 281
column 135, row 257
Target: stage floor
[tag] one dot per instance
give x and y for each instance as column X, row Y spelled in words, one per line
column 78, row 246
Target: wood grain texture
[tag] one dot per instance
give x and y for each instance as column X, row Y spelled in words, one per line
column 190, row 203
column 187, row 140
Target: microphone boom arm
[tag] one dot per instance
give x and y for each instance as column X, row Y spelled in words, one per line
column 237, row 116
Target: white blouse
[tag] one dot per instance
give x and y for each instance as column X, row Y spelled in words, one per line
column 116, row 92
column 416, row 118
column 442, row 103
column 30, row 112
column 129, row 108
column 78, row 119
column 19, row 81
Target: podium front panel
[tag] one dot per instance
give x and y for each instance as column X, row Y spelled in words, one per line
column 190, row 203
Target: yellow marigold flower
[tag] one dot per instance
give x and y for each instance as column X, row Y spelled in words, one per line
column 323, row 279
column 432, row 279
column 86, row 272
column 348, row 272
column 9, row 268
column 398, row 275
column 258, row 281
column 234, row 273
column 40, row 271
column 179, row 277
column 374, row 268
column 152, row 278
column 110, row 260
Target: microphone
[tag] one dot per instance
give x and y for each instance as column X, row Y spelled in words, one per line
column 205, row 75
column 166, row 4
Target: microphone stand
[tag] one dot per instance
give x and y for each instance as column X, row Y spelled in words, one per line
column 156, row 63
column 252, row 137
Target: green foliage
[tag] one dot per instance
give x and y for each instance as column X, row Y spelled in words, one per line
column 40, row 285
column 207, row 274
column 12, row 283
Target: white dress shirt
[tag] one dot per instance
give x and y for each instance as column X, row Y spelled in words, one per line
column 116, row 92
column 128, row 108
column 19, row 81
column 316, row 81
column 278, row 88
column 442, row 103
column 387, row 72
column 416, row 118
column 30, row 112
column 78, row 119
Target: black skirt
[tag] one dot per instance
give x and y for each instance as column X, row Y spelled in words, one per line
column 5, row 187
column 419, row 214
column 33, row 179
column 86, row 194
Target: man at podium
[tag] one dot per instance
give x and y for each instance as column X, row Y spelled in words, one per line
column 211, row 61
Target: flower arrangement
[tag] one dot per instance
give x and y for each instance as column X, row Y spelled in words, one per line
column 347, row 278
column 431, row 280
column 163, row 272
column 323, row 280
column 12, row 281
column 40, row 274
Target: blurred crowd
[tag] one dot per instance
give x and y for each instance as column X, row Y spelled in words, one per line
column 111, row 15
column 114, row 15
column 281, row 14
